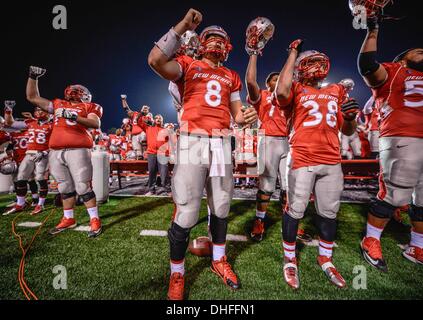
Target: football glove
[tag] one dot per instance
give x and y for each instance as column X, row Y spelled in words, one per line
column 36, row 72
column 65, row 113
column 296, row 45
column 8, row 106
column 350, row 109
column 149, row 122
column 373, row 22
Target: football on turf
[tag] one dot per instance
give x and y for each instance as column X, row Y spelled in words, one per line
column 201, row 247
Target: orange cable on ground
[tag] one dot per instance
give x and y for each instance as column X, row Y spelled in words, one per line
column 21, row 272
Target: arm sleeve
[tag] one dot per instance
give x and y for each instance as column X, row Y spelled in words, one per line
column 19, row 125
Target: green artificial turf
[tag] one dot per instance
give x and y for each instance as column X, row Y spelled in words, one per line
column 120, row 264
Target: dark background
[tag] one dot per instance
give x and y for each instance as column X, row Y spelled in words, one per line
column 106, row 44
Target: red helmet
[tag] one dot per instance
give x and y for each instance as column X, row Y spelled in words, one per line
column 8, row 166
column 373, row 7
column 77, row 93
column 205, row 40
column 311, row 65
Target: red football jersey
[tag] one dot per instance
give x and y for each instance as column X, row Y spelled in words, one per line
column 68, row 134
column 136, row 129
column 272, row 119
column 39, row 135
column 316, row 118
column 117, row 141
column 207, row 95
column 20, row 144
column 400, row 102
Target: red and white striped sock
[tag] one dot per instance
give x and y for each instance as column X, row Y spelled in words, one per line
column 289, row 250
column 177, row 266
column 373, row 232
column 416, row 239
column 325, row 248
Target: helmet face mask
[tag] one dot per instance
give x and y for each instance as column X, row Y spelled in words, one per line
column 373, row 7
column 311, row 66
column 215, row 41
column 8, row 166
column 77, row 93
column 348, row 84
column 190, row 44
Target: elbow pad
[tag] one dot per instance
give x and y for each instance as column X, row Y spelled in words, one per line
column 367, row 63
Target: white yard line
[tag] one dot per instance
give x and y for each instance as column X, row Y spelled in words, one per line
column 162, row 233
column 29, row 224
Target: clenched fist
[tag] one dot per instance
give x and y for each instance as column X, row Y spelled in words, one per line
column 250, row 115
column 8, row 106
column 36, row 72
column 191, row 21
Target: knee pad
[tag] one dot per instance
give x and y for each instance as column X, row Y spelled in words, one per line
column 69, row 195
column 415, row 213
column 43, row 188
column 381, row 209
column 263, row 196
column 21, row 188
column 178, row 239
column 218, row 229
column 87, row 196
column 83, row 188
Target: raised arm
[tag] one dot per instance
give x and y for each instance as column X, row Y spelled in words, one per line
column 373, row 73
column 9, row 121
column 32, row 92
column 125, row 105
column 160, row 57
column 253, row 89
column 286, row 76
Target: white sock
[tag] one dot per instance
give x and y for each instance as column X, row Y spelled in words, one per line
column 373, row 231
column 177, row 267
column 289, row 250
column 416, row 239
column 93, row 212
column 325, row 248
column 218, row 251
column 41, row 201
column 260, row 214
column 68, row 213
column 20, row 201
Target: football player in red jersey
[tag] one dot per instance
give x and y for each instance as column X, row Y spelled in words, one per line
column 35, row 161
column 273, row 146
column 70, row 147
column 116, row 142
column 210, row 98
column 371, row 116
column 398, row 91
column 137, row 133
column 316, row 115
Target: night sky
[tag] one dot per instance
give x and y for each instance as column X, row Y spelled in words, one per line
column 106, row 45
